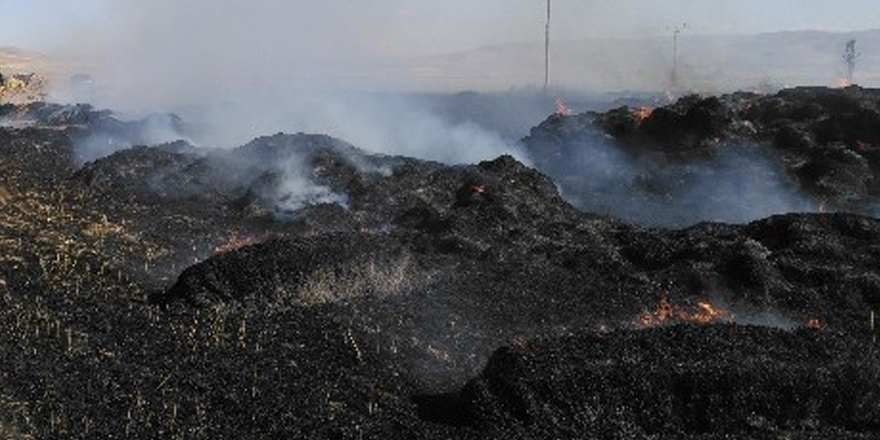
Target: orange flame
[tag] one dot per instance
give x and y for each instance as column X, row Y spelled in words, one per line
column 842, row 83
column 666, row 313
column 707, row 314
column 562, row 108
column 813, row 323
column 642, row 113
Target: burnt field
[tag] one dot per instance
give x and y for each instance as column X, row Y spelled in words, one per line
column 299, row 287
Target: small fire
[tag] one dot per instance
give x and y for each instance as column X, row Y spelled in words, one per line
column 863, row 145
column 562, row 108
column 642, row 113
column 666, row 313
column 823, row 206
column 842, row 83
column 813, row 323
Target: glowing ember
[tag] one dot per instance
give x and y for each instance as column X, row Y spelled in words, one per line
column 707, row 314
column 666, row 313
column 561, row 107
column 813, row 323
column 641, row 114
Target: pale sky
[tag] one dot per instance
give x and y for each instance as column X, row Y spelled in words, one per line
column 188, row 49
column 427, row 27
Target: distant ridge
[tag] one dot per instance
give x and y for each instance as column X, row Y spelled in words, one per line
column 708, row 63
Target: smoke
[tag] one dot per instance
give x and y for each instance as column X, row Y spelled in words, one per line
column 735, row 183
column 109, row 135
column 295, row 190
column 386, row 123
column 237, row 70
column 766, row 318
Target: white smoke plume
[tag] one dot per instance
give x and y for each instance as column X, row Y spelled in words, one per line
column 736, row 184
column 295, row 191
column 150, row 130
column 238, row 70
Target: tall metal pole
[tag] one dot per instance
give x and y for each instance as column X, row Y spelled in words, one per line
column 850, row 56
column 675, row 31
column 675, row 56
column 547, row 50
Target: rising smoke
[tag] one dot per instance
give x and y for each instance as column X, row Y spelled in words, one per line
column 234, row 71
column 736, row 183
column 238, row 70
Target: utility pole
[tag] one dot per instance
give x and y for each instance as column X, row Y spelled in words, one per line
column 850, row 56
column 675, row 31
column 547, row 50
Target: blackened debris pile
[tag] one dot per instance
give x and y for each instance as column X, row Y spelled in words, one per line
column 687, row 381
column 300, row 287
column 803, row 149
column 95, row 133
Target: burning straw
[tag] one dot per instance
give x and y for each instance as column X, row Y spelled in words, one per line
column 668, row 313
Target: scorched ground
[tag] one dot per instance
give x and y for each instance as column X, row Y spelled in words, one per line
column 297, row 287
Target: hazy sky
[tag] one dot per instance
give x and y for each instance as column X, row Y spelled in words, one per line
column 186, row 50
column 424, row 27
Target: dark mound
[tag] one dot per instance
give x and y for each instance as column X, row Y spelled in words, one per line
column 679, row 382
column 735, row 157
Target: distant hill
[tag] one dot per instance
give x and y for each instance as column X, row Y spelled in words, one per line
column 706, row 63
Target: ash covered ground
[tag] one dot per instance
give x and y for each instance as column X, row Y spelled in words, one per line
column 298, row 286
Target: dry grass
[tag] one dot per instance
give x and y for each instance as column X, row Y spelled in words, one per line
column 71, row 242
column 5, row 196
column 103, row 228
column 8, row 432
column 366, row 278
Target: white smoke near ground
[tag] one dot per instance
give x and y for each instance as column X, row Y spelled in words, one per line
column 736, row 183
column 233, row 71
column 740, row 184
column 151, row 130
column 296, row 191
column 767, row 318
column 376, row 122
column 237, row 70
